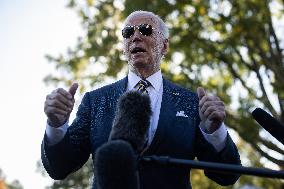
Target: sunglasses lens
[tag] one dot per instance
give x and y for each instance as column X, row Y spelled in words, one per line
column 145, row 29
column 127, row 31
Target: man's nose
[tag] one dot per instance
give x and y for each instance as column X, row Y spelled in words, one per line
column 136, row 36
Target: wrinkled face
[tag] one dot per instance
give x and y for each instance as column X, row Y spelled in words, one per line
column 144, row 52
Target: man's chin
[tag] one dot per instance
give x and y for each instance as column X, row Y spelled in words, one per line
column 139, row 63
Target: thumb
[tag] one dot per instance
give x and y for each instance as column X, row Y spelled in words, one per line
column 73, row 89
column 200, row 92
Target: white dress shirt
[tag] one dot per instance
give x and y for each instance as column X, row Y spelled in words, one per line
column 155, row 91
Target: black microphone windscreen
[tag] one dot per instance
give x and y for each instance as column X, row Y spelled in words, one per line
column 115, row 166
column 132, row 120
column 269, row 123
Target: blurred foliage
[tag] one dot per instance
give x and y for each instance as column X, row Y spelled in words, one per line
column 233, row 48
column 5, row 185
column 81, row 179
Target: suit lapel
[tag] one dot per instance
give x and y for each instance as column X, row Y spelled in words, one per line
column 119, row 87
column 116, row 90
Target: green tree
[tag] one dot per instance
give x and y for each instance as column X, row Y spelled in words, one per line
column 81, row 179
column 231, row 47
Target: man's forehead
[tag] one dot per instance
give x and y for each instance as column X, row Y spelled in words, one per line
column 141, row 18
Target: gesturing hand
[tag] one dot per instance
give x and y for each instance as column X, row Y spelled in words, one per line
column 59, row 104
column 211, row 110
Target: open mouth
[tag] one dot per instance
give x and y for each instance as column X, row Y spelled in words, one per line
column 137, row 50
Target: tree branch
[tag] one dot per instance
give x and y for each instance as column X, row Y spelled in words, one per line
column 264, row 154
column 270, row 64
column 271, row 145
column 265, row 98
column 276, row 41
column 236, row 75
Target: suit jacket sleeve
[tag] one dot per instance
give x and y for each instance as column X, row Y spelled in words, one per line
column 206, row 152
column 72, row 152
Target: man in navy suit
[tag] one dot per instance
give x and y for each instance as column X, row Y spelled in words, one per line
column 183, row 125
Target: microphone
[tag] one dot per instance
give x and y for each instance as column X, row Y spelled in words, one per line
column 269, row 123
column 115, row 166
column 132, row 120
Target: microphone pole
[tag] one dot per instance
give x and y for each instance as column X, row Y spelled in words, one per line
column 216, row 167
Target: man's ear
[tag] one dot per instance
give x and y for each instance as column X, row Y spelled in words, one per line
column 165, row 46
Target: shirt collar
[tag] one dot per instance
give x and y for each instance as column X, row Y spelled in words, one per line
column 155, row 80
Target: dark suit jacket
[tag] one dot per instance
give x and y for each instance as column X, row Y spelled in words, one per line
column 176, row 136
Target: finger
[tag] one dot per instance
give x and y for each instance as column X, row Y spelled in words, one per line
column 217, row 116
column 205, row 107
column 214, row 110
column 67, row 101
column 51, row 110
column 200, row 92
column 208, row 111
column 61, row 98
column 58, row 104
column 64, row 93
column 73, row 89
column 216, row 104
column 208, row 98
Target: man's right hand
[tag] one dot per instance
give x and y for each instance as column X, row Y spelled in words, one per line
column 59, row 104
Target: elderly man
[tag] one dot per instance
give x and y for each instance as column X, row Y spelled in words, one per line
column 184, row 124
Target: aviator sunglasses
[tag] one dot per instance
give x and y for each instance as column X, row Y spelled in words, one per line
column 144, row 29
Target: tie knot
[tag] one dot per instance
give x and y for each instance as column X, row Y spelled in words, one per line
column 143, row 84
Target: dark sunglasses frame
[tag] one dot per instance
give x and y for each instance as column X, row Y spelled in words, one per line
column 144, row 29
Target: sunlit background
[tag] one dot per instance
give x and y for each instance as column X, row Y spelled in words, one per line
column 29, row 29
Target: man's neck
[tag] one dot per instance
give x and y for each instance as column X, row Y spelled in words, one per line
column 143, row 74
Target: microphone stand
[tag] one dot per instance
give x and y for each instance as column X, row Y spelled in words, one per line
column 214, row 167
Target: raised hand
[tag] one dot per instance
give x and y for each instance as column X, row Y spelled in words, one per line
column 59, row 104
column 211, row 110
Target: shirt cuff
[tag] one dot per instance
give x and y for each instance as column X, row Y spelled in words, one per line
column 55, row 135
column 217, row 138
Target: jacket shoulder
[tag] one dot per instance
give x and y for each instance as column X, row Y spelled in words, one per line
column 109, row 89
column 182, row 91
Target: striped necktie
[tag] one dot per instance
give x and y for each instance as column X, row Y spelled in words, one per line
column 143, row 84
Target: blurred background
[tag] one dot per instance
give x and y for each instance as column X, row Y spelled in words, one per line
column 233, row 48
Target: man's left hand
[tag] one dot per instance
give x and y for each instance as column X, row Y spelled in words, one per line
column 211, row 111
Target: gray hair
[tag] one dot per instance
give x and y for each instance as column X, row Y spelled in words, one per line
column 162, row 25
